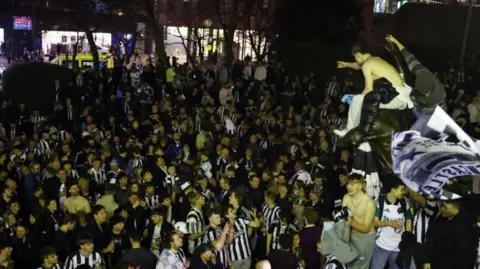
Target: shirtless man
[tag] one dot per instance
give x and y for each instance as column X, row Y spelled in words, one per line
column 373, row 68
column 362, row 210
column 76, row 202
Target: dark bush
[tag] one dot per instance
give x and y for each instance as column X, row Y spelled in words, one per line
column 34, row 84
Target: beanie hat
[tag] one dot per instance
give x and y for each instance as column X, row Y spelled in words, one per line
column 425, row 82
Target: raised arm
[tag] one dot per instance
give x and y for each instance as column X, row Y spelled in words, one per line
column 413, row 64
column 354, row 66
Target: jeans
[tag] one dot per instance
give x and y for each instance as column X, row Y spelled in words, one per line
column 401, row 101
column 381, row 256
column 242, row 264
column 420, row 124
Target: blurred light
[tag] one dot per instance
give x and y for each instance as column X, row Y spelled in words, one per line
column 120, row 13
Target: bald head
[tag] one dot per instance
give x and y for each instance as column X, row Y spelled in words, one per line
column 263, row 265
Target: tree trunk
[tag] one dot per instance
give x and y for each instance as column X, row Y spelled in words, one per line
column 66, row 57
column 158, row 33
column 132, row 51
column 228, row 43
column 160, row 44
column 93, row 49
column 201, row 49
column 75, row 52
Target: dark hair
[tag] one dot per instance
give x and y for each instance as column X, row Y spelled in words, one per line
column 168, row 239
column 136, row 236
column 46, row 251
column 85, row 238
column 392, row 183
column 160, row 211
column 271, row 195
column 285, row 215
column 356, row 177
column 361, row 47
column 311, row 215
column 116, row 220
column 202, row 248
column 70, row 219
column 213, row 211
column 193, row 197
column 97, row 209
column 240, row 197
column 49, row 200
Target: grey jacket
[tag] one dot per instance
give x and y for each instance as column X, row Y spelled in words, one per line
column 336, row 241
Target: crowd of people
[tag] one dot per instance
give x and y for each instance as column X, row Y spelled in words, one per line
column 212, row 167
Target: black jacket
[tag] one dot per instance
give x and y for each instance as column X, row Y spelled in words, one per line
column 452, row 243
column 166, row 227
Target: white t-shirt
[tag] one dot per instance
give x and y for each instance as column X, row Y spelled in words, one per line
column 157, row 236
column 387, row 237
column 230, row 126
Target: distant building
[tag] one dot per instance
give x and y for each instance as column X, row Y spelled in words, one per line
column 197, row 26
column 391, row 6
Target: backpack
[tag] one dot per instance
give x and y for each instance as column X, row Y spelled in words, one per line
column 381, row 204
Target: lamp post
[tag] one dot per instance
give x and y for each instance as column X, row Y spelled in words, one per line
column 467, row 29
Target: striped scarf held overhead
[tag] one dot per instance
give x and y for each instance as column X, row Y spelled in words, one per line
column 364, row 164
column 37, row 123
column 436, row 167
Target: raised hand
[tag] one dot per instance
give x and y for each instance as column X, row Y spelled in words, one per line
column 347, row 98
column 391, row 39
column 226, row 228
column 341, row 64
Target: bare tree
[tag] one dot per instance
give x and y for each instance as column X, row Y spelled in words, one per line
column 259, row 23
column 229, row 13
column 145, row 11
column 192, row 15
column 137, row 35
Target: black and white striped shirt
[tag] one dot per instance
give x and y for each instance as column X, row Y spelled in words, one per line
column 98, row 176
column 240, row 247
column 246, row 164
column 76, row 259
column 277, row 230
column 62, row 135
column 210, row 236
column 221, row 111
column 98, row 135
column 271, row 215
column 422, row 219
column 264, row 144
column 55, row 266
column 69, row 112
column 37, row 122
column 139, row 162
column 324, row 113
column 333, row 89
column 170, row 182
column 222, row 164
column 195, row 225
column 42, row 148
column 152, row 201
column 338, row 122
column 73, row 174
